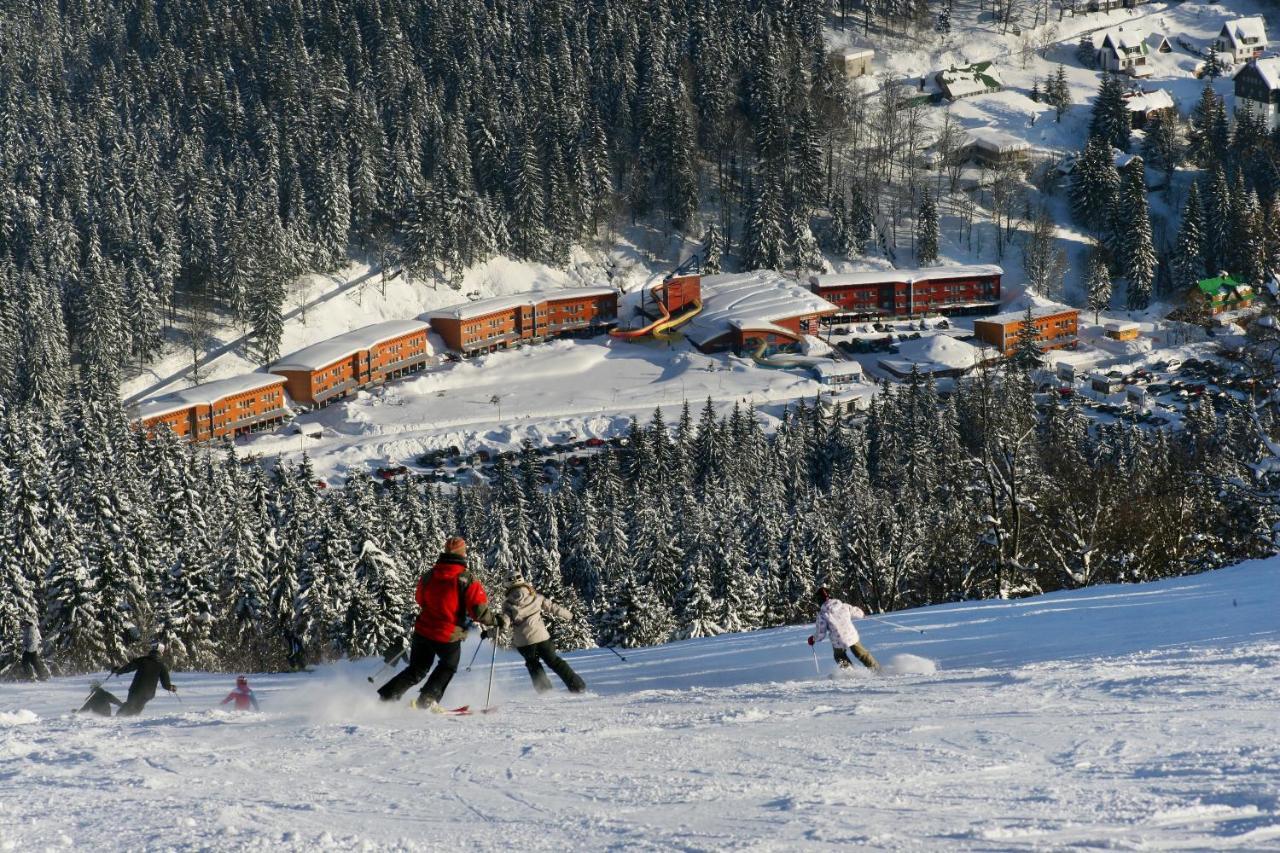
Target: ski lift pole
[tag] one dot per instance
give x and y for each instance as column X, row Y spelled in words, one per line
column 896, row 625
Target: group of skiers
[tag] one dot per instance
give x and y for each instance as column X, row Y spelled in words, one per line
column 447, row 598
column 149, row 671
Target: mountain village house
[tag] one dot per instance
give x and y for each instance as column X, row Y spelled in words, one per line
column 1243, row 38
column 973, row 289
column 1124, row 51
column 1144, row 106
column 1056, row 326
column 329, row 370
column 1257, row 88
column 851, row 62
column 487, row 325
column 1225, row 293
column 976, row 79
column 227, row 407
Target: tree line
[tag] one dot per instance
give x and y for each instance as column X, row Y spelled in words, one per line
column 109, row 537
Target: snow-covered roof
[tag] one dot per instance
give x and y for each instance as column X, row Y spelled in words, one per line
column 494, row 304
column 996, row 141
column 1157, row 41
column 906, row 276
column 939, row 349
column 970, row 80
column 206, row 394
column 755, row 300
column 853, row 52
column 1124, row 41
column 1148, row 102
column 1037, row 312
column 1245, row 31
column 335, row 349
column 836, row 369
column 1269, row 70
column 1120, row 326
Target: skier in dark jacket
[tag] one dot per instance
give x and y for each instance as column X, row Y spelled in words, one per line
column 32, row 665
column 150, row 669
column 446, row 596
column 99, row 701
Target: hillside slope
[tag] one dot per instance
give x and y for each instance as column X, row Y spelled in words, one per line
column 1113, row 716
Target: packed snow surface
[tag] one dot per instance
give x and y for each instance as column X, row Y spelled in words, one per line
column 1130, row 716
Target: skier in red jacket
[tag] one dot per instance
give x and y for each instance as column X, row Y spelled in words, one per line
column 446, row 596
column 242, row 696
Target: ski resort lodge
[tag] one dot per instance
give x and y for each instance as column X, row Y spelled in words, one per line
column 1257, row 88
column 1056, row 325
column 487, row 325
column 227, row 407
column 329, row 370
column 749, row 312
column 955, row 290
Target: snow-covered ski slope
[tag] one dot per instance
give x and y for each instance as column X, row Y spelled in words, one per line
column 1135, row 717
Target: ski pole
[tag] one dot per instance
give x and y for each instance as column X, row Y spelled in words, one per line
column 817, row 669
column 896, row 625
column 493, row 660
column 385, row 664
column 615, row 651
column 475, row 654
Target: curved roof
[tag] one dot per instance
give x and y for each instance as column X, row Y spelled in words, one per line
column 346, row 345
column 755, row 300
column 906, row 276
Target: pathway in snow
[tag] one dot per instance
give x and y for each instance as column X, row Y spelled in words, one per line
column 1117, row 716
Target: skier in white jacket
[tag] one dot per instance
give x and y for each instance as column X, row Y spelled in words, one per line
column 836, row 618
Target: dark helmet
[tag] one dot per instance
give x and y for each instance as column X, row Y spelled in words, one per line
column 820, row 594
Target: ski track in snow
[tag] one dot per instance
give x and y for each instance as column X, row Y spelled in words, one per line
column 1134, row 717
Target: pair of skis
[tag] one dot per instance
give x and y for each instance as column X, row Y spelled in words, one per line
column 465, row 711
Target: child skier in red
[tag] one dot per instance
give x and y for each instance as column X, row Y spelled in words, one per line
column 242, row 696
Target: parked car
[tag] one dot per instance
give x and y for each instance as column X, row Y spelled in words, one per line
column 595, row 442
column 391, row 472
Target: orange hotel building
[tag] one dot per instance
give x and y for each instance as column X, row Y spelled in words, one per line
column 1056, row 324
column 227, row 407
column 487, row 325
column 329, row 370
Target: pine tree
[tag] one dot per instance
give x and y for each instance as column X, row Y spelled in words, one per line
column 764, row 243
column 1135, row 252
column 927, row 231
column 1188, row 250
column 1094, row 184
column 1098, row 282
column 1219, row 214
column 1026, row 348
column 1110, row 121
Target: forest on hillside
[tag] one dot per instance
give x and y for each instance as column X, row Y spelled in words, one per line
column 108, row 537
column 164, row 159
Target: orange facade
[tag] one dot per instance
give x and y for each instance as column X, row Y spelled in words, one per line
column 681, row 290
column 381, row 360
column 192, row 415
column 513, row 321
column 1057, row 328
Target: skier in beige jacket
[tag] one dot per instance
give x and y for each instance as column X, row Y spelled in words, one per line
column 524, row 607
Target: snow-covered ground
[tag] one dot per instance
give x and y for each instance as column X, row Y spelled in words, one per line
column 1140, row 717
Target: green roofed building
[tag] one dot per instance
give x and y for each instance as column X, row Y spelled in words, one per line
column 976, row 79
column 1225, row 293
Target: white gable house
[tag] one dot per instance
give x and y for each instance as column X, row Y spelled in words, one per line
column 1124, row 52
column 1243, row 38
column 1257, row 89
